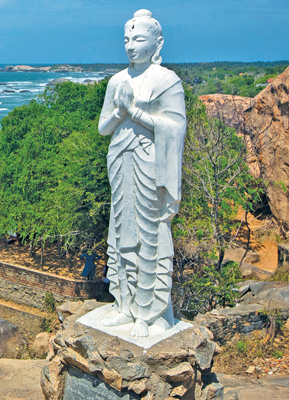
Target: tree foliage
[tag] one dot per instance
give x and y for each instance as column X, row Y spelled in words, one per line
column 53, row 177
column 216, row 183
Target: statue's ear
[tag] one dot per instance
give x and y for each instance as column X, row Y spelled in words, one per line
column 160, row 43
column 156, row 58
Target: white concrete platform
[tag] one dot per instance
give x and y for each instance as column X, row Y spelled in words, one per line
column 93, row 318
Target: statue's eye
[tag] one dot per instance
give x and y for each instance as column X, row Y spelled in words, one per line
column 140, row 40
column 125, row 40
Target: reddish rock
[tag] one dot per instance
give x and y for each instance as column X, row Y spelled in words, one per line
column 227, row 108
column 178, row 391
column 112, row 378
column 180, row 373
column 139, row 386
column 265, row 122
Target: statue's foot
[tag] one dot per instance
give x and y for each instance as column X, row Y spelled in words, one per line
column 120, row 319
column 140, row 329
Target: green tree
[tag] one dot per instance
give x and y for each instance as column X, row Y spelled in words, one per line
column 216, row 182
column 53, row 177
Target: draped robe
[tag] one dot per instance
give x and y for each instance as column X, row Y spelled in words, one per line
column 144, row 169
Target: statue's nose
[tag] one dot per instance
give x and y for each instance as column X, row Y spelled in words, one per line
column 130, row 45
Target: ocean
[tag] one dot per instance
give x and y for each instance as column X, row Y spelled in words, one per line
column 19, row 88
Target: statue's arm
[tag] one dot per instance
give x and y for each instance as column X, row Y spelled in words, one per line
column 142, row 118
column 168, row 109
column 110, row 116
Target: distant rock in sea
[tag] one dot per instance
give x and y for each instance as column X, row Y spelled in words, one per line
column 25, row 91
column 16, row 68
column 57, row 81
column 29, row 68
column 8, row 91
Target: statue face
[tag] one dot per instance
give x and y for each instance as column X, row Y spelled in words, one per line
column 140, row 41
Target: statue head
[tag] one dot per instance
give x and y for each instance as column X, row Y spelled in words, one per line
column 143, row 38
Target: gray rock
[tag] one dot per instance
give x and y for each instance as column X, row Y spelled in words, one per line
column 244, row 289
column 266, row 388
column 57, row 81
column 212, row 389
column 247, row 269
column 283, row 254
column 82, row 386
column 204, row 354
column 236, row 254
column 10, row 339
column 128, row 371
column 7, row 330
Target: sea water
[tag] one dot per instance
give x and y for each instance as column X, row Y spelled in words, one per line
column 19, row 88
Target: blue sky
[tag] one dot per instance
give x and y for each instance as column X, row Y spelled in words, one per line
column 91, row 31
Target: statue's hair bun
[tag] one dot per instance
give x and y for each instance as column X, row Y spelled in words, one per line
column 143, row 13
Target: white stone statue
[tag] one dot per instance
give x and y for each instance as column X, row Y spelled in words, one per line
column 144, row 109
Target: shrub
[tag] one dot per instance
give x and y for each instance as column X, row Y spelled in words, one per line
column 49, row 302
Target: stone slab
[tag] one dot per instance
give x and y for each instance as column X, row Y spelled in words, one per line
column 83, row 386
column 93, row 318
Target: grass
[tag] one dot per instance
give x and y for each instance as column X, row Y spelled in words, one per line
column 281, row 274
column 243, row 350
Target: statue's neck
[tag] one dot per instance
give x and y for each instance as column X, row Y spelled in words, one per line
column 138, row 69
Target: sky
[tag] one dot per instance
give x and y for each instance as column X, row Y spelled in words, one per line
column 91, row 31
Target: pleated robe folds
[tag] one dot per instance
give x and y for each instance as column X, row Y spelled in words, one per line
column 144, row 169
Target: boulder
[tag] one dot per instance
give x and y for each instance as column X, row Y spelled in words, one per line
column 10, row 339
column 227, row 108
column 267, row 125
column 41, row 342
column 264, row 121
column 7, row 330
column 236, row 253
column 248, row 269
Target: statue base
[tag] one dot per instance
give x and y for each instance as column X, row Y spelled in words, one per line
column 87, row 363
column 156, row 334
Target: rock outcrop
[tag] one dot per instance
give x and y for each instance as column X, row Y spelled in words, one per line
column 247, row 316
column 266, row 388
column 227, row 108
column 28, row 68
column 265, row 122
column 91, row 362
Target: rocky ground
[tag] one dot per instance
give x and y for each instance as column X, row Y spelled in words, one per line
column 267, row 388
column 20, row 379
